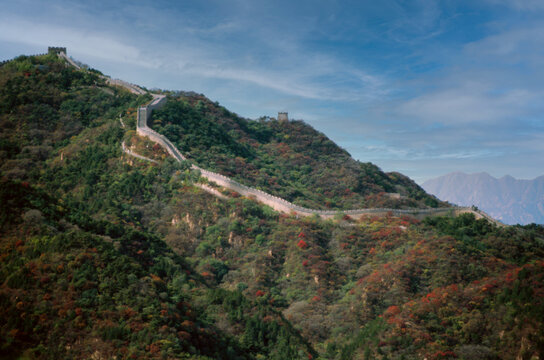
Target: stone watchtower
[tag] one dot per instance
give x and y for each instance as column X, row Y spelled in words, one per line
column 56, row 50
column 282, row 116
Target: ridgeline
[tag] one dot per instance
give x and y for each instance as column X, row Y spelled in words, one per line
column 118, row 245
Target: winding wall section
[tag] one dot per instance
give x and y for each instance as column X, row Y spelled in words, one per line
column 277, row 203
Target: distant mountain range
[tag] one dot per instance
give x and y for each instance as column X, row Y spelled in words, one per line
column 507, row 199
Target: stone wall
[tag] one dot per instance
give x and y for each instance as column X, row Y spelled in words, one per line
column 277, row 203
column 56, row 50
column 130, row 87
column 70, row 61
column 133, row 154
column 143, row 115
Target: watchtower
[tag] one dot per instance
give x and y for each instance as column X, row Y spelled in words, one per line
column 56, row 50
column 282, row 116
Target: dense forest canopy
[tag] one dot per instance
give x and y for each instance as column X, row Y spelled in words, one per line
column 104, row 255
column 286, row 158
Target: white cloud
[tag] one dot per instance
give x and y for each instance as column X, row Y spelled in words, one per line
column 469, row 104
column 78, row 41
column 525, row 5
column 516, row 44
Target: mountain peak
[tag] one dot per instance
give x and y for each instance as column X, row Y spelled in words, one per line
column 508, row 199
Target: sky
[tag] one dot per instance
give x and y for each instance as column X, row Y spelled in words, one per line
column 423, row 87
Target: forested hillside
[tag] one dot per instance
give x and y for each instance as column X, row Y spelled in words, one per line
column 287, row 159
column 104, row 255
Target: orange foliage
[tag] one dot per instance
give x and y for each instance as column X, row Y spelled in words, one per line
column 156, row 278
column 392, row 310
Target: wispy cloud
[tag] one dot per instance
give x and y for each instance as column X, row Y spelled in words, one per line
column 96, row 44
column 429, row 84
column 472, row 104
column 525, row 5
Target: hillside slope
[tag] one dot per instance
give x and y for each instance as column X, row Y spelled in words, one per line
column 84, row 274
column 105, row 255
column 510, row 200
column 287, row 159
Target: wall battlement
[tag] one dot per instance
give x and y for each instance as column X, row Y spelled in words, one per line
column 56, row 50
column 277, row 203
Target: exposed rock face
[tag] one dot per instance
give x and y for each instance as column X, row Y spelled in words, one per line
column 510, row 200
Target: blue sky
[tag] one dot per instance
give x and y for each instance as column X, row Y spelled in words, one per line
column 421, row 87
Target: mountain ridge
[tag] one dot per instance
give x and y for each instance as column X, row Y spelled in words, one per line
column 506, row 198
column 105, row 255
column 277, row 203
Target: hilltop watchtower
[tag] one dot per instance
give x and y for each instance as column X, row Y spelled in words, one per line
column 56, row 50
column 282, row 116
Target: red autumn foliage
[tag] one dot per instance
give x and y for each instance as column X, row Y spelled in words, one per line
column 509, row 277
column 260, row 293
column 128, row 313
column 302, row 244
column 305, row 263
column 443, row 355
column 302, row 235
column 155, row 348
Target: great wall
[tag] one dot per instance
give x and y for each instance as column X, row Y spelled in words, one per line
column 276, row 203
